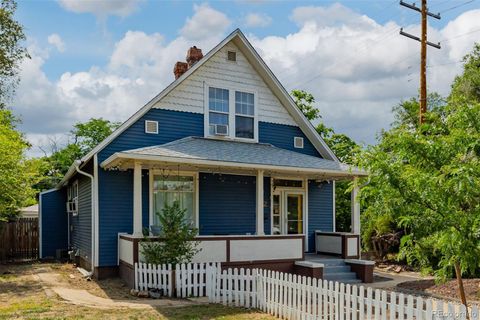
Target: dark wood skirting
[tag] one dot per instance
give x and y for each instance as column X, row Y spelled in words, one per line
column 101, row 273
column 127, row 273
column 315, row 272
column 364, row 272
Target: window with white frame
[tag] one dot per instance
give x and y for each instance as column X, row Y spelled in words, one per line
column 231, row 113
column 168, row 189
column 72, row 198
column 218, row 106
column 244, row 115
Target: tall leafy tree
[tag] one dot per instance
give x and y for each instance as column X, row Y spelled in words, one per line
column 426, row 180
column 344, row 148
column 17, row 173
column 12, row 50
column 85, row 137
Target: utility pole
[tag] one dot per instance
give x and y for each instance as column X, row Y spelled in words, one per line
column 423, row 51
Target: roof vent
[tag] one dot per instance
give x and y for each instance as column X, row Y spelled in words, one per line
column 151, row 126
column 231, row 56
column 298, row 142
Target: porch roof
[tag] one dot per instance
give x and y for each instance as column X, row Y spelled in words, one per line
column 207, row 152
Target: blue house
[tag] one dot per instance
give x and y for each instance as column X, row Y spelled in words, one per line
column 226, row 140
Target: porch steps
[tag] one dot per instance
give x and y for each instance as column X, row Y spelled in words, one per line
column 337, row 270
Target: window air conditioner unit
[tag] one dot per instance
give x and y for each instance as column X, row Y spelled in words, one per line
column 221, row 130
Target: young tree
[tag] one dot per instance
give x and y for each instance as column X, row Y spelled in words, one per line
column 11, row 50
column 87, row 135
column 17, row 173
column 178, row 243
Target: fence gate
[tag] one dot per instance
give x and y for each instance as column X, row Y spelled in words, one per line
column 19, row 240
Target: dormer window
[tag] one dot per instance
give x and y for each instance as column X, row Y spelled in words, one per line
column 231, row 114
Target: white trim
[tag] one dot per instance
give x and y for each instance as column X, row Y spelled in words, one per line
column 137, row 199
column 260, row 212
column 195, row 175
column 213, row 163
column 306, row 214
column 301, row 142
column 96, row 210
column 334, row 209
column 269, row 78
column 147, row 122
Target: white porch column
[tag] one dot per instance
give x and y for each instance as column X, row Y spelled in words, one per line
column 260, row 230
column 137, row 199
column 355, row 208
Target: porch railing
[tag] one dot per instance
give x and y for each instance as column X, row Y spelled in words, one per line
column 343, row 244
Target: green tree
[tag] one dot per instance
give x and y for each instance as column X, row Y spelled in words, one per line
column 17, row 173
column 426, row 180
column 344, row 148
column 178, row 243
column 467, row 85
column 85, row 137
column 12, row 52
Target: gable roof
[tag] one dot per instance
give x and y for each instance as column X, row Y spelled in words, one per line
column 264, row 71
column 227, row 153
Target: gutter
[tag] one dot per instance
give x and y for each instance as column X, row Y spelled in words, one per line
column 76, row 165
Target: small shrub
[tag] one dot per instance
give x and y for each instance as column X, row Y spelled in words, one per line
column 177, row 244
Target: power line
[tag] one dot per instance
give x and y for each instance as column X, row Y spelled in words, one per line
column 457, row 6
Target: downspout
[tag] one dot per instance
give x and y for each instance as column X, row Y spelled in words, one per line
column 77, row 164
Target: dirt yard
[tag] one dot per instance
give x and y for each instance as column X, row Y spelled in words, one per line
column 24, row 296
column 449, row 290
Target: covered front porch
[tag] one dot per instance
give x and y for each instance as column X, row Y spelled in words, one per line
column 252, row 203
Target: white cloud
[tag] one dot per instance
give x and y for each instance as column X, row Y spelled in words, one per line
column 255, row 20
column 357, row 71
column 101, row 8
column 55, row 40
column 205, row 22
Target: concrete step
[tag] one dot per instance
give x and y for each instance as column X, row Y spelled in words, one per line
column 336, row 269
column 339, row 276
column 329, row 262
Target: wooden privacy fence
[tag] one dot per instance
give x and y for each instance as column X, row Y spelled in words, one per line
column 288, row 296
column 19, row 240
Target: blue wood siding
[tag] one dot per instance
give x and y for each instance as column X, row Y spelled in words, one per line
column 282, row 136
column 116, row 187
column 320, row 209
column 227, row 204
column 54, row 222
column 81, row 224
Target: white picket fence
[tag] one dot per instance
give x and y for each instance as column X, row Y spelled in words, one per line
column 288, row 296
column 190, row 278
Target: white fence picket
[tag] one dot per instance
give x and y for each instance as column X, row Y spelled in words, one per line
column 288, row 296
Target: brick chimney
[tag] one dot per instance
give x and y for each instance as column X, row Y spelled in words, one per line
column 179, row 69
column 194, row 54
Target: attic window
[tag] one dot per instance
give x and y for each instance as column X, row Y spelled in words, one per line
column 231, row 56
column 298, row 142
column 151, row 126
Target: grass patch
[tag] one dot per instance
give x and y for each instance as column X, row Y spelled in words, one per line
column 211, row 311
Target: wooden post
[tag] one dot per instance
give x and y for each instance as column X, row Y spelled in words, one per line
column 137, row 199
column 260, row 228
column 423, row 64
column 355, row 218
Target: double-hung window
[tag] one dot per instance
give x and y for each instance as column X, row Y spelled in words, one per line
column 218, row 106
column 244, row 115
column 231, row 113
column 167, row 190
column 72, row 198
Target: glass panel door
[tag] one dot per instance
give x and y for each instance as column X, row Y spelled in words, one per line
column 294, row 208
column 277, row 215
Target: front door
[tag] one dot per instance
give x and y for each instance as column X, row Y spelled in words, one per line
column 288, row 212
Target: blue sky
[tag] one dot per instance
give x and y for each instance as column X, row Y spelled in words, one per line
column 348, row 53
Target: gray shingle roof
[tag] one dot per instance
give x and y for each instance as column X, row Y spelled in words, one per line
column 237, row 152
